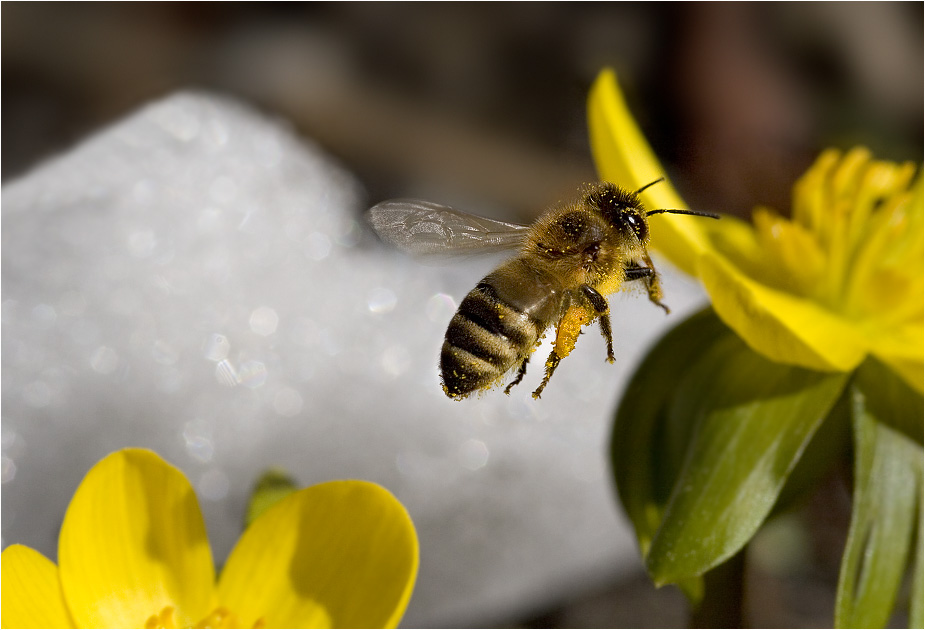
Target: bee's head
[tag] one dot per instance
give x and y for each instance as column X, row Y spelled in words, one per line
column 624, row 210
column 621, row 208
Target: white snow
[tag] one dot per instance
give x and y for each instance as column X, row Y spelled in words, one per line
column 198, row 280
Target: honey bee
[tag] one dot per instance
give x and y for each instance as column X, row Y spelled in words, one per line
column 568, row 260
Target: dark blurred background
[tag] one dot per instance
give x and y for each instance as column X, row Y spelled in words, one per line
column 489, row 99
column 487, row 102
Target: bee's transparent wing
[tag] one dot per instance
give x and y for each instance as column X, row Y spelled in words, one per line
column 424, row 228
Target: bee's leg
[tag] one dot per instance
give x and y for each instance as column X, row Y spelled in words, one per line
column 608, row 336
column 567, row 331
column 600, row 305
column 520, row 376
column 648, row 274
column 551, row 364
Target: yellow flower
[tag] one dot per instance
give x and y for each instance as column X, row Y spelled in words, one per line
column 133, row 553
column 840, row 280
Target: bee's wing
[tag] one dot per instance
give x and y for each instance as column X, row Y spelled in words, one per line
column 424, row 228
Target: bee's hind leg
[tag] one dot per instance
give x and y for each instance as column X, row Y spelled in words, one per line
column 551, row 364
column 599, row 303
column 568, row 329
column 604, row 319
column 520, row 376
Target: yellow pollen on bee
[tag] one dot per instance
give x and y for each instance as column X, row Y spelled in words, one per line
column 569, row 328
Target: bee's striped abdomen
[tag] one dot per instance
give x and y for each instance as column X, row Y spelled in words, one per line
column 485, row 339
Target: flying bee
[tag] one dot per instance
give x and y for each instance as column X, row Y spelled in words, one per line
column 568, row 260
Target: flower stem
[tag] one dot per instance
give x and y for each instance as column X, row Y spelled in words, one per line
column 723, row 603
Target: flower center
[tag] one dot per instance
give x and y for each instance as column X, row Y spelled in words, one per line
column 853, row 244
column 864, row 223
column 221, row 617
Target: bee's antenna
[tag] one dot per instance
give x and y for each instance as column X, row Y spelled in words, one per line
column 660, row 179
column 675, row 211
column 672, row 210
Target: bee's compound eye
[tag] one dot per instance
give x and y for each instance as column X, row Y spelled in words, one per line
column 637, row 224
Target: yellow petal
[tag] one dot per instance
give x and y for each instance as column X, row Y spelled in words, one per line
column 792, row 258
column 911, row 371
column 811, row 194
column 900, row 347
column 132, row 543
column 338, row 554
column 32, row 595
column 737, row 240
column 886, row 274
column 778, row 325
column 623, row 157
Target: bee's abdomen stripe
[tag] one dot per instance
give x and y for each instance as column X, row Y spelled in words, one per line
column 478, row 341
column 463, row 372
column 468, row 366
column 484, row 308
column 485, row 338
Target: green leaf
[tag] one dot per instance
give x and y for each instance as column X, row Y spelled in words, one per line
column 753, row 420
column 890, row 399
column 829, row 447
column 273, row 485
column 693, row 589
column 887, row 491
column 917, row 591
column 646, row 451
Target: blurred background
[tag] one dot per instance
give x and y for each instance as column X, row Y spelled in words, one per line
column 487, row 102
column 490, row 98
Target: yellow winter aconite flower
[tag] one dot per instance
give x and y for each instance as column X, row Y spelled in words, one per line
column 839, row 280
column 133, row 552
